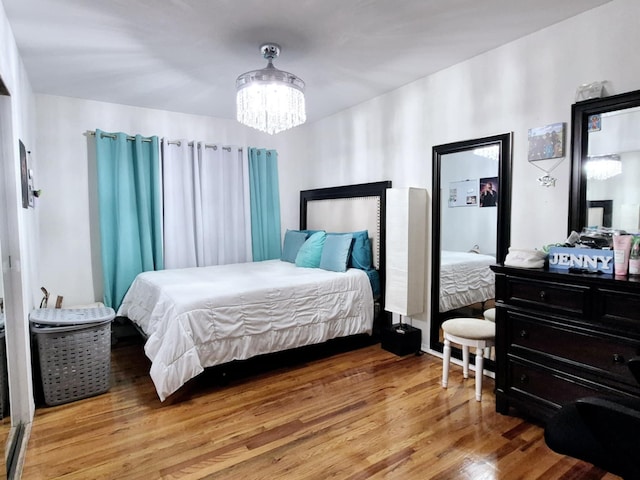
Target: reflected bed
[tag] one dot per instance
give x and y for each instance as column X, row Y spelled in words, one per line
column 465, row 279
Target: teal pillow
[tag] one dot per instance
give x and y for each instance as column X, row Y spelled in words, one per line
column 311, row 232
column 293, row 240
column 335, row 254
column 374, row 280
column 311, row 251
column 361, row 253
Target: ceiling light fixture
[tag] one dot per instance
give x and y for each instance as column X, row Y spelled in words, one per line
column 269, row 99
column 602, row 167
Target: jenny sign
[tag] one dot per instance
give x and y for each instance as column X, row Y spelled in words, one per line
column 593, row 260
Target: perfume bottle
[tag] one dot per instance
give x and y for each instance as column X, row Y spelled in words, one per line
column 634, row 256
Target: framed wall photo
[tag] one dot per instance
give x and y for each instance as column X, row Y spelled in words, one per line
column 24, row 175
column 595, row 123
column 546, row 142
column 488, row 192
column 463, row 193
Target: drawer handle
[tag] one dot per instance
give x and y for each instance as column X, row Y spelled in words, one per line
column 524, row 378
column 543, row 295
column 524, row 334
column 617, row 358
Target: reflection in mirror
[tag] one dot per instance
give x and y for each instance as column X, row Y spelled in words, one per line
column 5, row 420
column 606, row 164
column 599, row 212
column 471, row 209
column 613, row 166
column 6, row 152
column 4, row 383
column 5, row 424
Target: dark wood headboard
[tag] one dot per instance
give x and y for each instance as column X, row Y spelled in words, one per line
column 352, row 220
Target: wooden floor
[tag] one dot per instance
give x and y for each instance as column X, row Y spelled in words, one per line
column 5, row 426
column 365, row 414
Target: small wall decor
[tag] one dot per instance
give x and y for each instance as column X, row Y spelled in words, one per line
column 489, row 192
column 24, row 175
column 547, row 181
column 31, row 192
column 26, row 178
column 546, row 142
column 595, row 123
column 591, row 90
column 463, row 193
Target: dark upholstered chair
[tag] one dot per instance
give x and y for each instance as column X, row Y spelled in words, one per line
column 604, row 431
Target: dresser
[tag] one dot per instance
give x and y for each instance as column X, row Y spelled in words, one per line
column 561, row 336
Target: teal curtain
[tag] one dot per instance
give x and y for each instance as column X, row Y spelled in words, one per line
column 130, row 210
column 265, row 204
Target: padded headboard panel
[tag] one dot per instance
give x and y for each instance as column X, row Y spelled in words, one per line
column 348, row 215
column 349, row 208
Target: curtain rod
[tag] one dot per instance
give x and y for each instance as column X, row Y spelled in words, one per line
column 113, row 135
column 206, row 145
column 170, row 142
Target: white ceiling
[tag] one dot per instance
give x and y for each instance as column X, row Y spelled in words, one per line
column 185, row 55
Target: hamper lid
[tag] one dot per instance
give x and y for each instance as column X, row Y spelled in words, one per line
column 71, row 316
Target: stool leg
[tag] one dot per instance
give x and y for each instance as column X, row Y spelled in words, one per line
column 465, row 361
column 446, row 357
column 479, row 372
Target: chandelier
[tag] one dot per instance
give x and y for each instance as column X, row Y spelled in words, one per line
column 602, row 167
column 269, row 99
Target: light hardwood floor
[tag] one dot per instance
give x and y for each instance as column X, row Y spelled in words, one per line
column 357, row 415
column 5, row 427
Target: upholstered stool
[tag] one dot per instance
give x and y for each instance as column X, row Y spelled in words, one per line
column 467, row 332
column 490, row 314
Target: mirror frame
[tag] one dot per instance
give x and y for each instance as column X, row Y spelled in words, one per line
column 505, row 143
column 580, row 113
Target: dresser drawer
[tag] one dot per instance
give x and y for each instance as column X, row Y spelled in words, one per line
column 600, row 355
column 547, row 296
column 619, row 309
column 542, row 385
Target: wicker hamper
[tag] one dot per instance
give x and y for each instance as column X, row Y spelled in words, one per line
column 74, row 351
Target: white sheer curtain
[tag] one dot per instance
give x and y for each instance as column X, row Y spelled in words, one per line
column 206, row 204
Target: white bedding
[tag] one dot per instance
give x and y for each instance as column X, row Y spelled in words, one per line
column 200, row 317
column 465, row 278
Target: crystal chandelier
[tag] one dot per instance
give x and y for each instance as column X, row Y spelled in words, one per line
column 602, row 167
column 269, row 99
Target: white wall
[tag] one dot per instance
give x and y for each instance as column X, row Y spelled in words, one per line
column 528, row 83
column 18, row 231
column 69, row 233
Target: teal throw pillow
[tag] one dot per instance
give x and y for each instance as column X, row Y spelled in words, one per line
column 335, row 254
column 361, row 254
column 311, row 251
column 293, row 240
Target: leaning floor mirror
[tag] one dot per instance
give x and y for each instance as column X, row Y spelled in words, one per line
column 471, row 227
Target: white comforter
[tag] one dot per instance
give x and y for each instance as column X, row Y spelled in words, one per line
column 200, row 317
column 465, row 278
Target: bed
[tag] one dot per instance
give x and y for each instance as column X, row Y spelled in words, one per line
column 465, row 278
column 196, row 318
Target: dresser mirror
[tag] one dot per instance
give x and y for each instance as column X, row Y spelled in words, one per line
column 5, row 420
column 471, row 223
column 606, row 163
